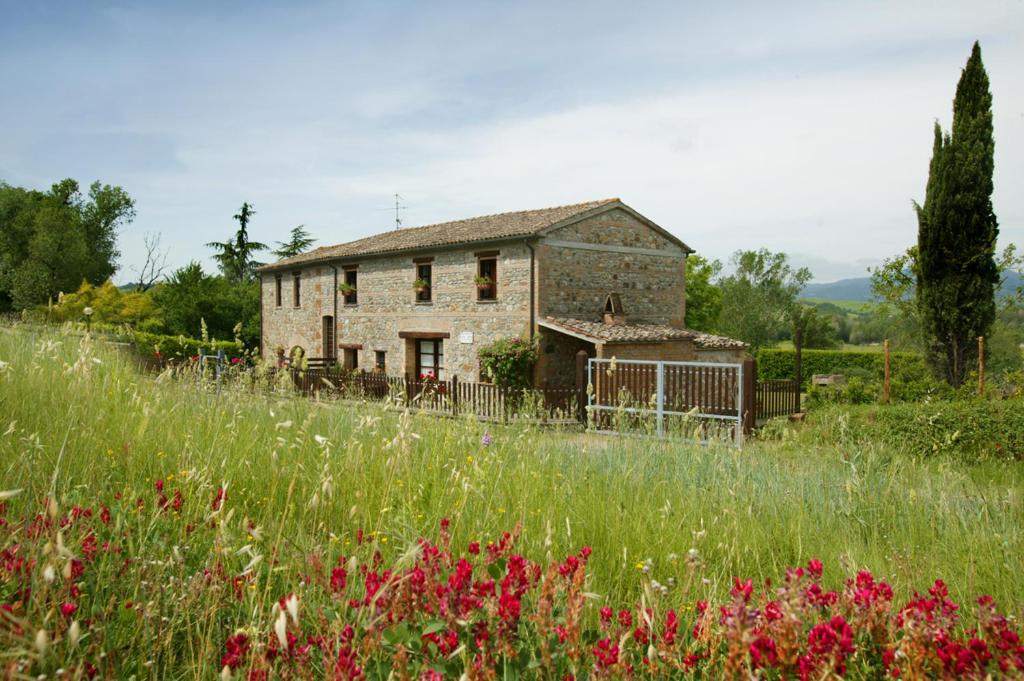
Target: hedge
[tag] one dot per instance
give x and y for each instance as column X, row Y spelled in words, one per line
column 180, row 347
column 773, row 363
column 973, row 429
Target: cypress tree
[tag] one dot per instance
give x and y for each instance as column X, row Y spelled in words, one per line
column 957, row 229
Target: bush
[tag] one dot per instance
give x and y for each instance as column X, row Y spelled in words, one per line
column 976, row 429
column 855, row 390
column 774, row 363
column 180, row 347
column 509, row 361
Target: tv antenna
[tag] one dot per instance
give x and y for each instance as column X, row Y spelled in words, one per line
column 398, row 207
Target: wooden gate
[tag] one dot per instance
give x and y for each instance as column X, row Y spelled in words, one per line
column 701, row 400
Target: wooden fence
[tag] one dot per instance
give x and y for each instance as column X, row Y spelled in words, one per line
column 484, row 400
column 779, row 397
column 727, row 395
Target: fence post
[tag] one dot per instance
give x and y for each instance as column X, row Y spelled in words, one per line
column 981, row 365
column 885, row 384
column 799, row 371
column 660, row 392
column 453, row 393
column 749, row 395
column 581, row 386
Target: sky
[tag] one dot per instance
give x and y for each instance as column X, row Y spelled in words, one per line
column 797, row 127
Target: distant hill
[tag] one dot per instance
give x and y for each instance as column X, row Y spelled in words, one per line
column 858, row 289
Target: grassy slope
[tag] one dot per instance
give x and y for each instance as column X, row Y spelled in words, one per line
column 101, row 429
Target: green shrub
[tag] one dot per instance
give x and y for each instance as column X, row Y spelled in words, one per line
column 775, row 363
column 975, row 429
column 180, row 347
column 509, row 361
column 855, row 390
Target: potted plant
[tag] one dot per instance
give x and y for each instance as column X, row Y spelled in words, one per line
column 483, row 283
column 346, row 288
column 420, row 285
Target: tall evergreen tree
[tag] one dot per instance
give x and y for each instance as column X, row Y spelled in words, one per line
column 957, row 273
column 299, row 242
column 235, row 257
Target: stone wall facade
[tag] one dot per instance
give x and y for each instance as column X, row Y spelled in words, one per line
column 574, row 269
column 580, row 264
column 387, row 306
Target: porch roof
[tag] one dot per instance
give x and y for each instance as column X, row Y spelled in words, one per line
column 599, row 332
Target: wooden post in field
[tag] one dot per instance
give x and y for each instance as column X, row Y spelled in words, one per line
column 798, row 346
column 885, row 384
column 581, row 386
column 981, row 365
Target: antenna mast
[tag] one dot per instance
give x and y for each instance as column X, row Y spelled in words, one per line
column 398, row 220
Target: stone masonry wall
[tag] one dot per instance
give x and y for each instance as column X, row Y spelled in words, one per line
column 573, row 282
column 386, row 306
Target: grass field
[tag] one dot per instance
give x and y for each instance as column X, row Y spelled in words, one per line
column 272, row 485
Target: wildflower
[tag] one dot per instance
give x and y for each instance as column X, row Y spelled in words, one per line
column 281, row 628
column 218, row 498
column 292, row 605
column 486, row 440
column 68, row 608
column 474, row 548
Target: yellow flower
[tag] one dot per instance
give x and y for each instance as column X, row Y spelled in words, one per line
column 469, row 459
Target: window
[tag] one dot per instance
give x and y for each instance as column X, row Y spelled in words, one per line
column 487, row 279
column 380, row 361
column 277, row 290
column 430, row 358
column 328, row 337
column 423, row 271
column 349, row 291
column 351, row 359
column 296, row 284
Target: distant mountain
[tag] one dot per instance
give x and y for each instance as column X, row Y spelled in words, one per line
column 858, row 289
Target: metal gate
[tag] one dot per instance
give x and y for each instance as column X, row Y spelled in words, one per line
column 700, row 400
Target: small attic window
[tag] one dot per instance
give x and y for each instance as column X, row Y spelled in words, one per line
column 613, row 304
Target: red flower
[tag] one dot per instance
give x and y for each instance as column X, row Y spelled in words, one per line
column 474, row 547
column 68, row 608
column 339, row 578
column 218, row 498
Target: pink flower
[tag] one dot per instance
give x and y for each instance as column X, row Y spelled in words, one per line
column 68, row 608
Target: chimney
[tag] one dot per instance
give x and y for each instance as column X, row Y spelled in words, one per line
column 613, row 312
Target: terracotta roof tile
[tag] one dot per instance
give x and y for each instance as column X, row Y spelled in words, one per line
column 640, row 333
column 484, row 228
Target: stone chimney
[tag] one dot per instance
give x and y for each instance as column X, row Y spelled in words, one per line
column 613, row 312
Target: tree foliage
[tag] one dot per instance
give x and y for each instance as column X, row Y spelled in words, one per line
column 816, row 330
column 758, row 297
column 957, row 273
column 235, row 257
column 51, row 241
column 298, row 242
column 703, row 297
column 191, row 298
column 110, row 305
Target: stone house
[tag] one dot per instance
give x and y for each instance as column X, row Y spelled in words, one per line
column 595, row 276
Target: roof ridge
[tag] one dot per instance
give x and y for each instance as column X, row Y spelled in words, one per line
column 491, row 215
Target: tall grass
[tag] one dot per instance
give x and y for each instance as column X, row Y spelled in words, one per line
column 79, row 424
